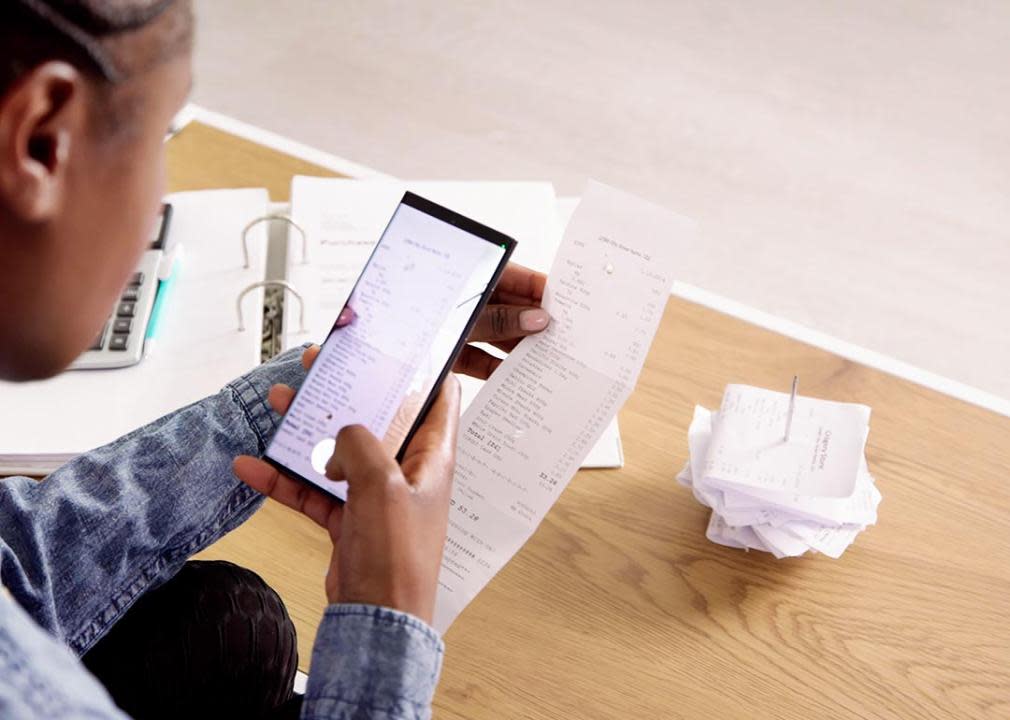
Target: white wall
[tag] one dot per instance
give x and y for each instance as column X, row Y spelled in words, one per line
column 848, row 162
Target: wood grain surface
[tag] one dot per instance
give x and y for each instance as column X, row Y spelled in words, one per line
column 234, row 162
column 619, row 607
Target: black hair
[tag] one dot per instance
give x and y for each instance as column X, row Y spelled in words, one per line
column 86, row 33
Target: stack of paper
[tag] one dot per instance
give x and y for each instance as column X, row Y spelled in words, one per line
column 812, row 492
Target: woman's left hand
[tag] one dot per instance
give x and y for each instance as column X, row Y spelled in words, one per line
column 512, row 313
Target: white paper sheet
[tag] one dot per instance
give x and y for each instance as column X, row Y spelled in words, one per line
column 533, row 422
column 832, row 541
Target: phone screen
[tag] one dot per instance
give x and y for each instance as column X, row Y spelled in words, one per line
column 414, row 304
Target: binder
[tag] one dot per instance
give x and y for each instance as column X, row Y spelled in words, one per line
column 199, row 349
column 258, row 278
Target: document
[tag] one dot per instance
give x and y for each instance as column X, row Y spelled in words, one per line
column 822, row 455
column 778, row 496
column 525, row 434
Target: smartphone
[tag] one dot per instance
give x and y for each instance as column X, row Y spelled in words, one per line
column 415, row 302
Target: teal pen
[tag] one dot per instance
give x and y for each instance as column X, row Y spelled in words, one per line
column 165, row 289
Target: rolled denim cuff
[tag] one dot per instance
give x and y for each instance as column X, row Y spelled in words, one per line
column 372, row 661
column 251, row 390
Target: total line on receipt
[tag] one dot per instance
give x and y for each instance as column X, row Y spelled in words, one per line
column 528, row 430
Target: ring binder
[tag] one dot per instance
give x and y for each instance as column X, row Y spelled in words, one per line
column 269, row 218
column 272, row 283
column 201, row 319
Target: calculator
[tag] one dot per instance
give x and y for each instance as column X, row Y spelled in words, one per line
column 121, row 341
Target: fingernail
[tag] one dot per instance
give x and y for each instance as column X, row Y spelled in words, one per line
column 533, row 320
column 345, row 317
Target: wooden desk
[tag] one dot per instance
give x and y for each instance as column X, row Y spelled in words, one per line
column 620, row 608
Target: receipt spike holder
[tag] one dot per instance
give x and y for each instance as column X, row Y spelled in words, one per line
column 792, row 407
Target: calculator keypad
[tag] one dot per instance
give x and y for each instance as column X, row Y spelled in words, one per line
column 121, row 342
column 99, row 342
column 115, row 336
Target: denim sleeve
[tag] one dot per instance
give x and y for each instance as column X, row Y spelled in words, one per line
column 372, row 662
column 41, row 678
column 78, row 548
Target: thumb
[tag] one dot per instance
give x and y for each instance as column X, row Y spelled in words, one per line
column 431, row 455
column 507, row 322
column 360, row 459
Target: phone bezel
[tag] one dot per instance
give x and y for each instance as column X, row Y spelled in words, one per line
column 473, row 228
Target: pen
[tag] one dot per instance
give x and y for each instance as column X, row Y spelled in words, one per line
column 165, row 287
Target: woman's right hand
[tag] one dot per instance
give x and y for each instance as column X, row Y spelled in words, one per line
column 388, row 537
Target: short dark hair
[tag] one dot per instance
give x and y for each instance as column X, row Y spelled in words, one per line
column 90, row 34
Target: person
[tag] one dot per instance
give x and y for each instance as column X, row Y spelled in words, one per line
column 87, row 93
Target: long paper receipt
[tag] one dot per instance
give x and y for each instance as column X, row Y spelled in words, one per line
column 528, row 430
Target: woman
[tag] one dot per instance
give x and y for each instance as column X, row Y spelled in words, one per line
column 87, row 91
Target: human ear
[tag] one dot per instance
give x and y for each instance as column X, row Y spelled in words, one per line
column 41, row 116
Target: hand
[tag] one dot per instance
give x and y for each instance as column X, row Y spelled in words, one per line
column 388, row 537
column 512, row 313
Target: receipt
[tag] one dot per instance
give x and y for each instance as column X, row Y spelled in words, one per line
column 821, row 458
column 760, row 508
column 528, row 430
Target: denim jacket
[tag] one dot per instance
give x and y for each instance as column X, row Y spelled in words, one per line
column 78, row 548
